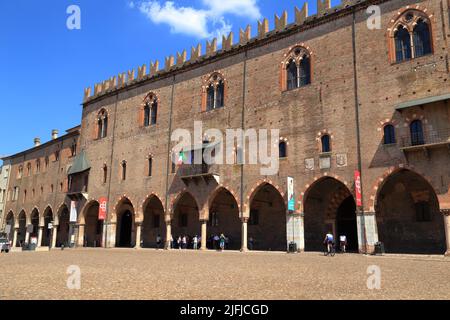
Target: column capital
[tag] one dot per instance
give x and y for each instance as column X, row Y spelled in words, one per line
column 245, row 219
column 445, row 212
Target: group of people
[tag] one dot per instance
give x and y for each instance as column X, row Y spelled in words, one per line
column 184, row 242
column 330, row 243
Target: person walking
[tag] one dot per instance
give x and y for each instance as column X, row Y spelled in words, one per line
column 158, row 241
column 250, row 243
column 343, row 243
column 179, row 242
column 195, row 242
column 216, row 242
column 222, row 242
column 184, row 242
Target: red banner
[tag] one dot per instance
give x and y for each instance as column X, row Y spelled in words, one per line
column 358, row 188
column 102, row 209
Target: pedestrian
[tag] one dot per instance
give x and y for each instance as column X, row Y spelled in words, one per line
column 222, row 242
column 343, row 242
column 250, row 243
column 216, row 240
column 179, row 242
column 184, row 242
column 195, row 242
column 171, row 244
column 158, row 241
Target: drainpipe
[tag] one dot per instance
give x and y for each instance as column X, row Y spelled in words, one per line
column 359, row 210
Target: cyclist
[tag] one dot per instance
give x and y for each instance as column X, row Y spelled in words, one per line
column 328, row 241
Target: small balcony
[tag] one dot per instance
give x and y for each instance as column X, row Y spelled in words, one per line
column 197, row 173
column 425, row 140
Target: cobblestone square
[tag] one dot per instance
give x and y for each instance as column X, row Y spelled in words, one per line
column 150, row 274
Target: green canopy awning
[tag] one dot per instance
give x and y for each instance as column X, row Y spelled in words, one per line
column 80, row 164
column 419, row 102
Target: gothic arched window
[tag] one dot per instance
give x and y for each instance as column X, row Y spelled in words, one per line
column 150, row 110
column 102, row 124
column 214, row 93
column 411, row 36
column 298, row 69
column 416, row 130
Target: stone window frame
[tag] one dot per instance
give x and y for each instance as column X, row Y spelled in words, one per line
column 148, row 102
column 290, row 55
column 320, row 134
column 101, row 118
column 214, row 79
column 418, row 13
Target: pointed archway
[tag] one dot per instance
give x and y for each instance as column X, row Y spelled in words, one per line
column 62, row 232
column 186, row 218
column 21, row 233
column 93, row 227
column 153, row 224
column 35, row 223
column 329, row 208
column 10, row 221
column 408, row 215
column 125, row 224
column 46, row 232
column 267, row 222
column 224, row 219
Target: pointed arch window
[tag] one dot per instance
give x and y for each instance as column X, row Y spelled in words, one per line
column 298, row 69
column 150, row 166
column 389, row 134
column 105, row 173
column 102, row 124
column 150, row 110
column 282, row 148
column 124, row 170
column 214, row 93
column 416, row 129
column 411, row 36
column 326, row 143
column 422, row 39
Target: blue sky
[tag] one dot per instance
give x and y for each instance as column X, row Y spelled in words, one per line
column 45, row 67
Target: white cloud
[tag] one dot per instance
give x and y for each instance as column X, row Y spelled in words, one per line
column 205, row 23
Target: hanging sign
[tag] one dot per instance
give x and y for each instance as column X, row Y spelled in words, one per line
column 291, row 198
column 102, row 208
column 73, row 211
column 358, row 188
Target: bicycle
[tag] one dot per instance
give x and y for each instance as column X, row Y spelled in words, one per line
column 332, row 251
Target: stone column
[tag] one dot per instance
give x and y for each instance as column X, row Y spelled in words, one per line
column 167, row 245
column 27, row 236
column 41, row 228
column 80, row 237
column 14, row 239
column 204, row 235
column 54, row 235
column 446, row 214
column 244, row 235
column 138, row 235
column 367, row 232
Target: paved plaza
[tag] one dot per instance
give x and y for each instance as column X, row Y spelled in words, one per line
column 175, row 275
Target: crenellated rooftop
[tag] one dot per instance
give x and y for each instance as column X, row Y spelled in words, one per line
column 172, row 63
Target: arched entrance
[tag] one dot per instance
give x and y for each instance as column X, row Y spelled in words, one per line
column 224, row 218
column 329, row 207
column 267, row 223
column 10, row 222
column 35, row 224
column 186, row 219
column 408, row 215
column 93, row 228
column 125, row 224
column 153, row 224
column 21, row 233
column 46, row 232
column 62, row 236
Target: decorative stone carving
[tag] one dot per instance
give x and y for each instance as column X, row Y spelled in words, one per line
column 341, row 160
column 309, row 164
